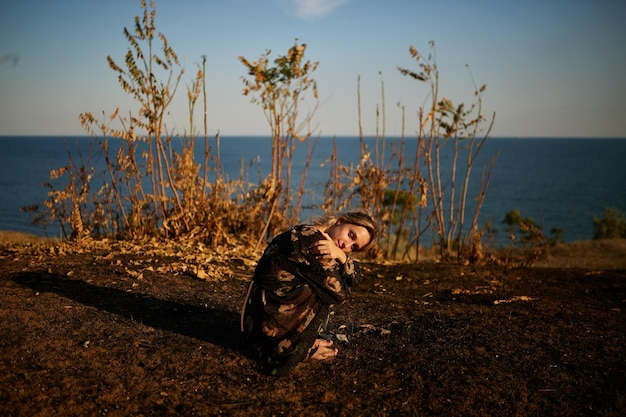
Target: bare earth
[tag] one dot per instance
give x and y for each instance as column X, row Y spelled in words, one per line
column 116, row 329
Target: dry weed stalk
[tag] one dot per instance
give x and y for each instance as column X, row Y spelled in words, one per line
column 151, row 185
column 398, row 193
column 390, row 190
column 443, row 126
column 279, row 89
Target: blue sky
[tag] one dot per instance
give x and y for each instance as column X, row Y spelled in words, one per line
column 552, row 67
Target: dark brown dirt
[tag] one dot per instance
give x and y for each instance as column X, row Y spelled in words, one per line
column 131, row 331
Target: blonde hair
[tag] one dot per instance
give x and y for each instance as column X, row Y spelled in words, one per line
column 356, row 217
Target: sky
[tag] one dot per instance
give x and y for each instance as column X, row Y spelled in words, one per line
column 553, row 68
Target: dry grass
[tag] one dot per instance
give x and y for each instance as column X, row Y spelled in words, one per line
column 594, row 254
column 9, row 237
column 600, row 254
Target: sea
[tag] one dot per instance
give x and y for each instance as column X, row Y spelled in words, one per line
column 560, row 183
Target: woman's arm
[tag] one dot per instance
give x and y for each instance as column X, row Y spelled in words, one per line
column 325, row 271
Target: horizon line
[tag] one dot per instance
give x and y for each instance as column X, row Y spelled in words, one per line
column 257, row 135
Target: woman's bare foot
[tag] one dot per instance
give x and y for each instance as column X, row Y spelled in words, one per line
column 323, row 349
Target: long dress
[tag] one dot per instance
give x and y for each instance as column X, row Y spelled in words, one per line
column 290, row 297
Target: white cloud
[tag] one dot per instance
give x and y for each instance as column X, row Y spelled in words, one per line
column 311, row 9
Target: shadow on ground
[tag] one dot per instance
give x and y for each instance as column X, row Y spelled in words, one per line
column 218, row 327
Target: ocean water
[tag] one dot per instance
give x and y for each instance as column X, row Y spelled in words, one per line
column 560, row 183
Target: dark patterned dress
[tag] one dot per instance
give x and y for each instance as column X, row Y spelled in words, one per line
column 290, row 296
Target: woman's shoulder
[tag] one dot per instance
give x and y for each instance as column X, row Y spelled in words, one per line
column 301, row 232
column 305, row 229
column 305, row 234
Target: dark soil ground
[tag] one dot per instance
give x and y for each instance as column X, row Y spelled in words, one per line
column 122, row 330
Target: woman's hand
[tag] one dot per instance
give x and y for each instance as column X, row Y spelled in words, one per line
column 326, row 249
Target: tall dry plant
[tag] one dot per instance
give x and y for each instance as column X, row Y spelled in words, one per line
column 151, row 185
column 145, row 151
column 389, row 188
column 413, row 196
column 66, row 205
column 443, row 128
column 279, row 87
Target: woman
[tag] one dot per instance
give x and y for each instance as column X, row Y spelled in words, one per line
column 301, row 274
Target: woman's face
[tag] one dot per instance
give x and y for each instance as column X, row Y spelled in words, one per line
column 349, row 237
